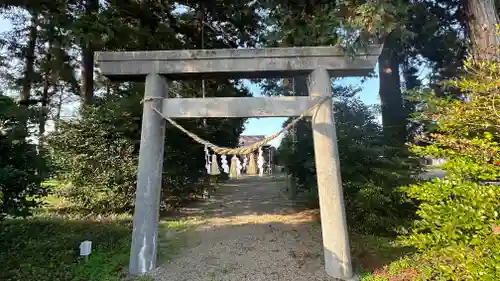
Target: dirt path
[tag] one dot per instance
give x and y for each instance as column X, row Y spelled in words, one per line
column 250, row 232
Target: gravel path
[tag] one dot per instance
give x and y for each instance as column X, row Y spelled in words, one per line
column 249, row 232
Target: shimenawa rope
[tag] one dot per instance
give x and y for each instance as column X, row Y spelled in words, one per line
column 238, row 150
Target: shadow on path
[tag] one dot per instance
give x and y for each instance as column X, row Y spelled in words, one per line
column 250, row 232
column 249, row 195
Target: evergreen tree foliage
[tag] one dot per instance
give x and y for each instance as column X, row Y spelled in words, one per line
column 97, row 154
column 21, row 168
column 458, row 227
column 370, row 179
column 61, row 37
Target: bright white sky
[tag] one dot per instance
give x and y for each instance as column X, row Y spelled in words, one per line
column 268, row 126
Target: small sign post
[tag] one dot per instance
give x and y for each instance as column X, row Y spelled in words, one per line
column 85, row 249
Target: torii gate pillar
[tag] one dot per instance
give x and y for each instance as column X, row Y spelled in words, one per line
column 331, row 199
column 149, row 179
column 318, row 62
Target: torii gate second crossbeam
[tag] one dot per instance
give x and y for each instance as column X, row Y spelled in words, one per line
column 320, row 63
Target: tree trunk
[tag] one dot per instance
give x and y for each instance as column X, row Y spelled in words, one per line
column 87, row 87
column 482, row 18
column 57, row 118
column 48, row 79
column 44, row 107
column 394, row 117
column 29, row 71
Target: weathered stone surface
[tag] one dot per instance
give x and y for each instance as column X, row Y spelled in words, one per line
column 238, row 107
column 331, row 199
column 144, row 247
column 235, row 63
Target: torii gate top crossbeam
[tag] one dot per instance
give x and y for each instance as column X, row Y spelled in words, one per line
column 235, row 63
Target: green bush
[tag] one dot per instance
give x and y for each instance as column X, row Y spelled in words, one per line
column 21, row 168
column 458, row 231
column 96, row 155
column 370, row 178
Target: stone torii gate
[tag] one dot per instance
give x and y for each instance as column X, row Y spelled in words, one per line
column 320, row 63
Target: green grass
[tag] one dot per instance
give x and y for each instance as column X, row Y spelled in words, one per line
column 378, row 258
column 381, row 259
column 170, row 239
column 46, row 246
column 278, row 178
column 408, row 267
column 47, row 249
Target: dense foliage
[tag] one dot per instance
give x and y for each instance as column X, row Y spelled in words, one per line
column 97, row 154
column 370, row 180
column 413, row 33
column 459, row 226
column 21, row 168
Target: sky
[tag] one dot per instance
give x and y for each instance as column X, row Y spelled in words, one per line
column 268, row 126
